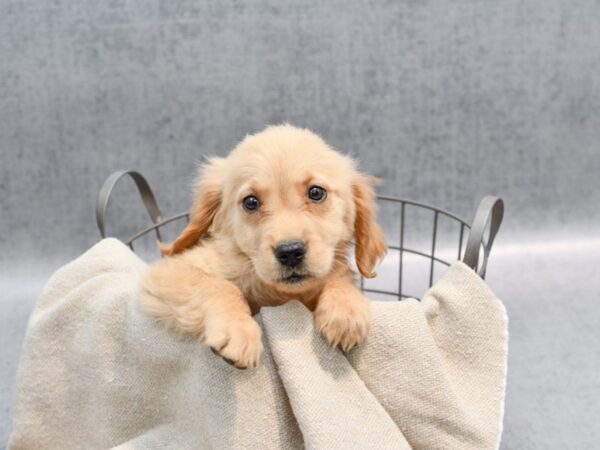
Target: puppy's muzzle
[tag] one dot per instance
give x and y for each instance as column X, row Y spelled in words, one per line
column 290, row 253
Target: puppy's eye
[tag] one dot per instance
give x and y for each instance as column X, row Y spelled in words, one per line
column 250, row 203
column 317, row 194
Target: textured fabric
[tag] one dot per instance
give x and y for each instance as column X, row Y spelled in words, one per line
column 97, row 373
column 445, row 101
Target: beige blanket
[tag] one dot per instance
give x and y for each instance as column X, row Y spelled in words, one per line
column 97, row 373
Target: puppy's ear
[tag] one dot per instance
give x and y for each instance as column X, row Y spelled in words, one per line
column 371, row 246
column 206, row 203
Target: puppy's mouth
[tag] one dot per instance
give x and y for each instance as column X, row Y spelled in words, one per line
column 294, row 278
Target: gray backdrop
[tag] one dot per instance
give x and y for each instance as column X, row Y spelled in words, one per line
column 445, row 101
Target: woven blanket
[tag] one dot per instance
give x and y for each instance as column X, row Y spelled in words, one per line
column 98, row 373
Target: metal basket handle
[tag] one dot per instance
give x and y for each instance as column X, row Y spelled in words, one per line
column 144, row 190
column 491, row 209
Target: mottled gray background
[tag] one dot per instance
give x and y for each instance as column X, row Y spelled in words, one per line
column 446, row 101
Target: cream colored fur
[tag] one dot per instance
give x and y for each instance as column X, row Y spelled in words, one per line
column 222, row 267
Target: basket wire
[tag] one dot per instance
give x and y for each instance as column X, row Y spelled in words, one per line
column 486, row 222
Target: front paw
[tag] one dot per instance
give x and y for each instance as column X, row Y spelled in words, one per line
column 343, row 322
column 235, row 339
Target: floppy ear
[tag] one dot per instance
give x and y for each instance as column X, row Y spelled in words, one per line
column 206, row 204
column 371, row 246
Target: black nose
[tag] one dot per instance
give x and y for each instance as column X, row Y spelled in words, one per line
column 290, row 253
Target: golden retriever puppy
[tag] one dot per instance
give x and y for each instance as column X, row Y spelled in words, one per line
column 270, row 223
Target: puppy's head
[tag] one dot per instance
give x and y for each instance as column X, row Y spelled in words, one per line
column 291, row 204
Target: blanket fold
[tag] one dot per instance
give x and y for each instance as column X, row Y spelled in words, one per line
column 96, row 373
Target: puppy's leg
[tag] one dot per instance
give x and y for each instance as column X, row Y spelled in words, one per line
column 343, row 314
column 188, row 300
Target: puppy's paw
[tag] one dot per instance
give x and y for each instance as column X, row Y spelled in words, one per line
column 235, row 339
column 343, row 321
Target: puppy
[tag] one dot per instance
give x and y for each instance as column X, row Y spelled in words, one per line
column 272, row 222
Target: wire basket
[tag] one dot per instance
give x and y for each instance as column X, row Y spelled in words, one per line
column 474, row 240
